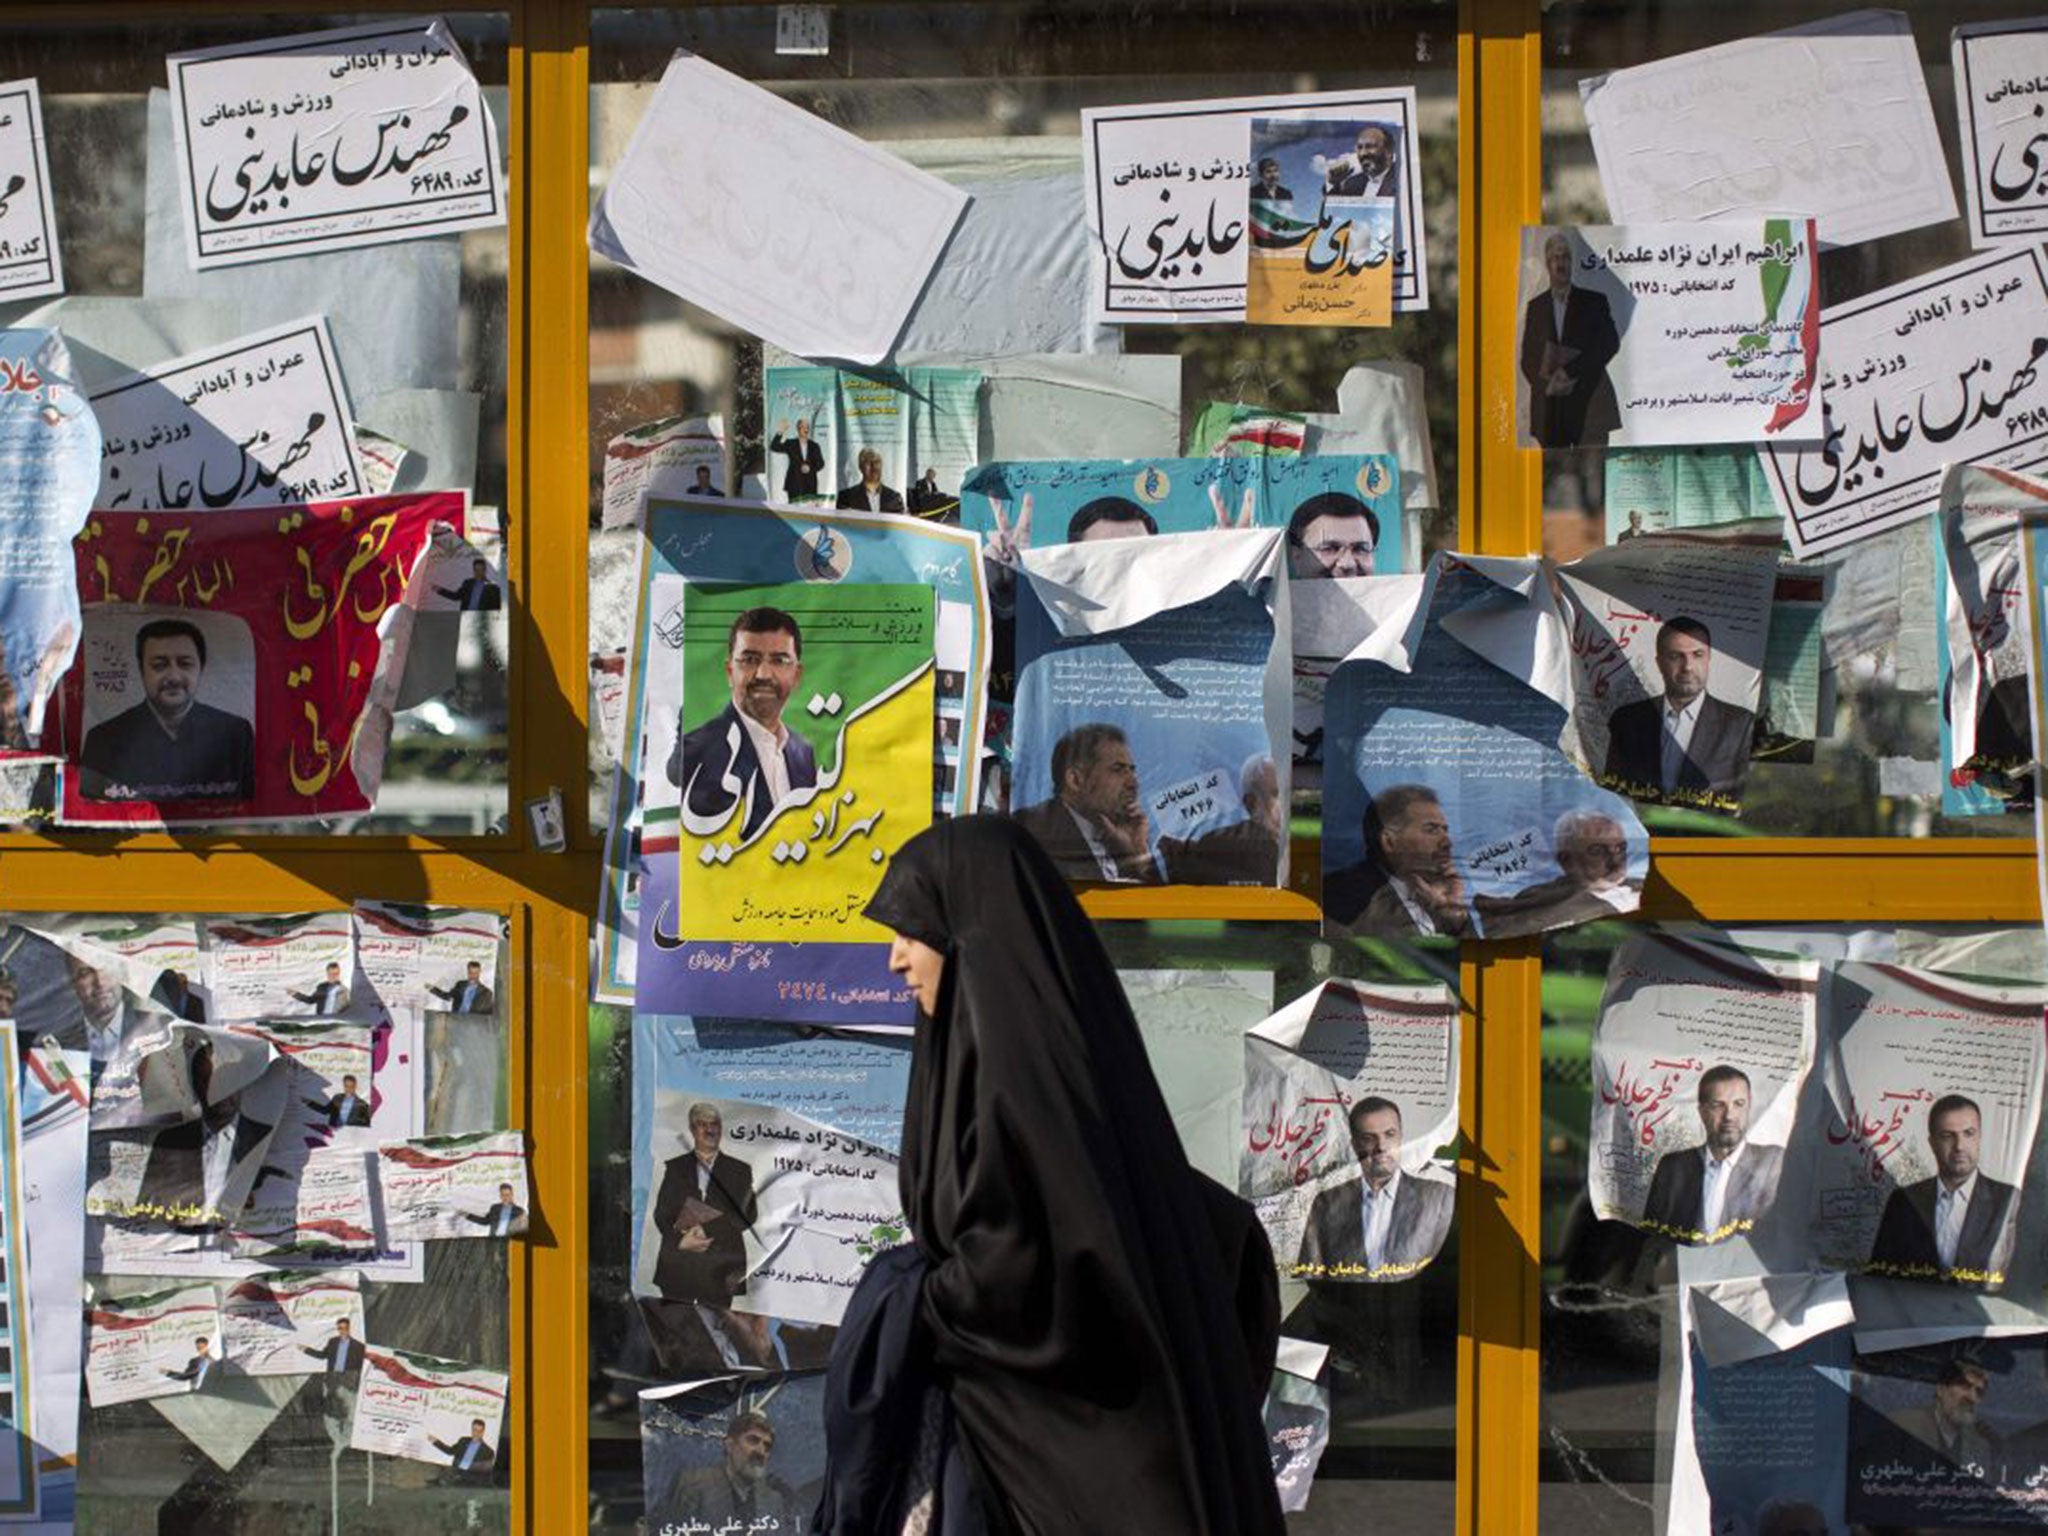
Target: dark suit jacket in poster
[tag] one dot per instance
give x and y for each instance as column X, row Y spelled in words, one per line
column 1335, row 1234
column 718, row 1274
column 1052, row 824
column 805, row 460
column 2005, row 738
column 1905, row 1234
column 342, row 1356
column 213, row 757
column 1558, row 903
column 1714, row 763
column 1680, row 1179
column 703, row 759
column 855, row 499
column 1243, row 853
column 1588, row 413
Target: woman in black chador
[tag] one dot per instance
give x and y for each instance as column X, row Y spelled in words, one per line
column 1080, row 1338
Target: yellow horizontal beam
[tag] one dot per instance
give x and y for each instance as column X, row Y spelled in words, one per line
column 238, row 880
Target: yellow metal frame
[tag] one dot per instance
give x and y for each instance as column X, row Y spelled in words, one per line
column 549, row 897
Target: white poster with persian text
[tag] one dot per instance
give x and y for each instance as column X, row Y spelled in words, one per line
column 328, row 140
column 1941, row 369
column 255, row 422
column 30, row 266
column 2001, row 75
column 1830, row 120
column 1169, row 198
column 811, row 238
column 437, row 1411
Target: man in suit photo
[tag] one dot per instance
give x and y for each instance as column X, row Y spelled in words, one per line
column 170, row 746
column 868, row 494
column 1706, row 1193
column 1369, row 170
column 1957, row 1226
column 173, row 993
column 1331, row 534
column 347, row 1107
column 342, row 1354
column 1245, row 852
column 1268, row 188
column 702, row 1212
column 746, row 743
column 805, row 457
column 1383, row 1225
column 504, row 1219
column 470, row 1458
column 329, row 995
column 1110, row 517
column 1686, row 745
column 203, row 1370
column 1095, row 826
column 1945, row 1431
column 1408, row 882
column 469, row 995
column 739, row 1487
column 1568, row 339
column 703, row 485
column 477, row 593
column 1591, row 850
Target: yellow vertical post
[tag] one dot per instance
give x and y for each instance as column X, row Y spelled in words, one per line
column 1500, row 1204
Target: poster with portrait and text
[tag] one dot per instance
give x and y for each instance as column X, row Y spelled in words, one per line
column 2001, row 71
column 1320, row 255
column 31, row 266
column 1982, row 645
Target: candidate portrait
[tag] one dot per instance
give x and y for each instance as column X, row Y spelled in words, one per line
column 702, row 1212
column 171, row 746
column 1331, row 534
column 1684, row 746
column 1408, row 882
column 1722, row 1186
column 746, row 754
column 868, row 494
column 1384, row 1224
column 1591, row 850
column 1568, row 339
column 738, row 1492
column 1095, row 826
column 805, row 459
column 1957, row 1226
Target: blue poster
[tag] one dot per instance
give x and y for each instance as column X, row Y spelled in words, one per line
column 1342, row 512
column 1448, row 807
column 734, row 1456
column 1769, row 1435
column 50, row 461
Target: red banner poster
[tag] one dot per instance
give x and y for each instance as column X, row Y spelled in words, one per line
column 241, row 666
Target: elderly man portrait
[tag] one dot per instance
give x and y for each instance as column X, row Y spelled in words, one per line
column 1568, row 339
column 1331, row 534
column 1408, row 882
column 738, row 1487
column 1705, row 1193
column 1591, row 850
column 702, row 1213
column 1956, row 1226
column 170, row 746
column 1384, row 1224
column 1245, row 852
column 1095, row 826
column 868, row 494
column 747, row 742
column 1684, row 745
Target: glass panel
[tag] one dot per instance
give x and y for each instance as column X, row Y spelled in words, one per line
column 419, row 332
column 1877, row 774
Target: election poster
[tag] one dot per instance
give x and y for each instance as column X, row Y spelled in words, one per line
column 1350, row 1092
column 678, row 456
column 1933, row 1097
column 233, row 667
column 441, row 1412
column 1938, row 370
column 1797, row 692
column 735, row 1453
column 31, row 266
column 886, row 440
column 1169, row 188
column 1999, row 69
column 1700, row 1054
column 152, row 1345
column 1319, row 256
column 454, row 1186
column 416, row 958
column 294, row 1323
column 1154, row 706
column 49, row 451
column 1450, row 807
column 1654, row 490
column 1951, row 1435
column 697, row 543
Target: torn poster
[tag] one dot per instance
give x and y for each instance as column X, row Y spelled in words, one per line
column 1796, row 701
column 1193, row 1024
column 50, row 455
column 1154, row 705
column 1941, row 369
column 1169, row 197
column 1644, row 334
column 1830, row 119
column 1342, row 512
column 1667, row 641
column 1655, row 490
column 152, row 1345
column 1950, row 1436
column 736, row 1454
column 234, row 666
column 1331, row 620
column 298, row 965
column 1320, row 256
column 31, row 266
column 53, row 1141
column 326, row 140
column 312, row 1198
column 723, row 542
column 1297, row 1418
column 294, row 1323
column 1982, row 645
column 797, row 258
column 1449, row 804
column 417, row 957
column 1349, row 1093
column 1999, row 69
column 1227, row 429
column 455, row 1186
column 1700, row 1054
column 259, row 421
column 681, row 455
column 436, row 1411
column 20, row 1457
column 1934, row 1090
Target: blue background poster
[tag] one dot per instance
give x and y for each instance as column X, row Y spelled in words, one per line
column 1771, row 1430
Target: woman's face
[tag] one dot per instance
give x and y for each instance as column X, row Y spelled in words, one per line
column 920, row 965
